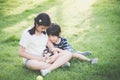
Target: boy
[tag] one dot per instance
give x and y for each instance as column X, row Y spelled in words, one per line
column 54, row 34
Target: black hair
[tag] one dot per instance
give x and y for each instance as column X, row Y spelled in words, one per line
column 42, row 19
column 54, row 30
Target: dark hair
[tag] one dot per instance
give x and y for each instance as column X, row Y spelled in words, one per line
column 42, row 19
column 54, row 30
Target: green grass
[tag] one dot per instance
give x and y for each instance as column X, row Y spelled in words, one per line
column 95, row 28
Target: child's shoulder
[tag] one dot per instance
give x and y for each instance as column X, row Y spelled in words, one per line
column 26, row 31
column 63, row 39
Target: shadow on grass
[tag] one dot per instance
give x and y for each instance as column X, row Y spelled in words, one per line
column 13, row 19
column 12, row 40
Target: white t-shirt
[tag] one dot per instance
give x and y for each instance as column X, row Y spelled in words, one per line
column 33, row 44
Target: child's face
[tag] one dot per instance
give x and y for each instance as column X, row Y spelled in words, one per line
column 41, row 28
column 53, row 39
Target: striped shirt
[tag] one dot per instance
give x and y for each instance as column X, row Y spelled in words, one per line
column 64, row 45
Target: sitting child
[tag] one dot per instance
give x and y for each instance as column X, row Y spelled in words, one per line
column 60, row 43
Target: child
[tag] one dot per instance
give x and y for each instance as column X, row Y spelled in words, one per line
column 32, row 44
column 54, row 34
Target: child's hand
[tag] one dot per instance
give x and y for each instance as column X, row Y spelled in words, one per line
column 53, row 58
column 56, row 50
column 48, row 60
column 47, row 55
column 42, row 58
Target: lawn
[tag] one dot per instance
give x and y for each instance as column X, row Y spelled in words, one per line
column 89, row 25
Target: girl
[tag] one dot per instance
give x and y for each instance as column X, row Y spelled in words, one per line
column 34, row 41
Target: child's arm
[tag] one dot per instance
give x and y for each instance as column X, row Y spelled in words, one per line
column 24, row 54
column 50, row 45
column 52, row 48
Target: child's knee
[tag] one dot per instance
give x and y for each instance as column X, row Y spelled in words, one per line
column 74, row 55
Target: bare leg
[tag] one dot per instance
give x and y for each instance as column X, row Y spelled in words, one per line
column 80, row 57
column 59, row 62
column 37, row 65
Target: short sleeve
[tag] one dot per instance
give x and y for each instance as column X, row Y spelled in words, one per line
column 25, row 39
column 67, row 46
